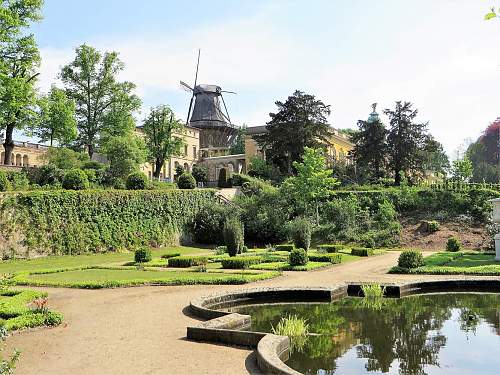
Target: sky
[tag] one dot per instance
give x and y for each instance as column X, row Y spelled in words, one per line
column 439, row 54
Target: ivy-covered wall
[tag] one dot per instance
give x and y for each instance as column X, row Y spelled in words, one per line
column 73, row 222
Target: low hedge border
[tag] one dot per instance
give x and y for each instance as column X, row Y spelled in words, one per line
column 240, row 262
column 22, row 278
column 332, row 258
column 285, row 247
column 285, row 266
column 488, row 270
column 361, row 251
column 330, row 248
column 187, row 261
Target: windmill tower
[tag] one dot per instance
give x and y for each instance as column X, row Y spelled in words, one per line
column 217, row 133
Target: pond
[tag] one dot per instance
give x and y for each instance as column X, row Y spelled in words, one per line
column 452, row 333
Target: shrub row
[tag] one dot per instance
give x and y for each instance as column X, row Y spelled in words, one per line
column 240, row 262
column 73, row 222
column 332, row 258
column 330, row 248
column 286, row 247
column 186, row 261
column 361, row 251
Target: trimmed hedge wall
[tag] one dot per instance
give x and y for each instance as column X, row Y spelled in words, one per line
column 361, row 251
column 240, row 262
column 330, row 248
column 332, row 258
column 73, row 222
column 186, row 261
column 286, row 247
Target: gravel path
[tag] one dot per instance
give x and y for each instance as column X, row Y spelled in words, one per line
column 142, row 330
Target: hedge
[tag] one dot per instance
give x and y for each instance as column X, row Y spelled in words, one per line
column 332, row 258
column 240, row 262
column 73, row 222
column 186, row 261
column 286, row 247
column 330, row 248
column 361, row 251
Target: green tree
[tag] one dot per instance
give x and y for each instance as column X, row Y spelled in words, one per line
column 65, row 158
column 19, row 60
column 200, row 173
column 370, row 147
column 312, row 183
column 434, row 158
column 162, row 131
column 238, row 147
column 462, row 169
column 104, row 106
column 125, row 154
column 406, row 140
column 301, row 121
column 56, row 120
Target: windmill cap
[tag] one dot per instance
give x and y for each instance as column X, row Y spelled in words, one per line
column 207, row 88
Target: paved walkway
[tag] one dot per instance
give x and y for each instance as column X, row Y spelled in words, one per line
column 142, row 330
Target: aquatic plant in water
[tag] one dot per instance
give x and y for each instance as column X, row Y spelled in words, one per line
column 295, row 328
column 373, row 296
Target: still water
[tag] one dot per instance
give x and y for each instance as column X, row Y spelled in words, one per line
column 453, row 333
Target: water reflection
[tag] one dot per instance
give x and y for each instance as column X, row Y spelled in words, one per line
column 427, row 334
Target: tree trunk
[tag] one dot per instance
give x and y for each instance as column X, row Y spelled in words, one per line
column 90, row 151
column 397, row 176
column 9, row 144
column 158, row 166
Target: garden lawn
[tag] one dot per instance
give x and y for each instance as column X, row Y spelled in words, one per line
column 97, row 277
column 456, row 263
column 67, row 261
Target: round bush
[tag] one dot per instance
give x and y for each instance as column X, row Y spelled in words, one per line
column 411, row 259
column 234, row 236
column 4, row 182
column 298, row 257
column 143, row 255
column 136, row 181
column 186, row 181
column 208, row 224
column 453, row 244
column 75, row 179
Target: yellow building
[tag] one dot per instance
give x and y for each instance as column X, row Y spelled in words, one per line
column 190, row 154
column 26, row 154
column 338, row 148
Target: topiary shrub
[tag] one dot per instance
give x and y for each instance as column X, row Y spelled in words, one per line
column 332, row 258
column 300, row 232
column 240, row 262
column 75, row 179
column 330, row 248
column 285, row 247
column 361, row 251
column 453, row 244
column 4, row 182
column 186, row 181
column 298, row 257
column 136, row 181
column 234, row 236
column 143, row 255
column 410, row 259
column 186, row 261
column 200, row 173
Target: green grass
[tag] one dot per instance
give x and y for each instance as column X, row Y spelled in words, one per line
column 456, row 263
column 66, row 261
column 284, row 266
column 16, row 314
column 97, row 277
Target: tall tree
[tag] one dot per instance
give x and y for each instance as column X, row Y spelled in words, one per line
column 433, row 157
column 103, row 105
column 301, row 121
column 19, row 60
column 485, row 154
column 370, row 146
column 162, row 132
column 56, row 120
column 462, row 169
column 125, row 154
column 406, row 139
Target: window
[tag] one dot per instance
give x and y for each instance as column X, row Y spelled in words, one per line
column 185, row 150
column 194, row 152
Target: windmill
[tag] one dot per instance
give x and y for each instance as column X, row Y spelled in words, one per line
column 205, row 113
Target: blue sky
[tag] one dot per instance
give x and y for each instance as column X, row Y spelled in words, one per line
column 440, row 55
